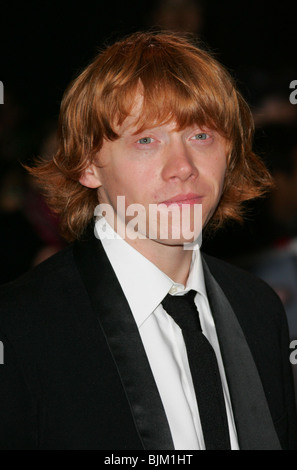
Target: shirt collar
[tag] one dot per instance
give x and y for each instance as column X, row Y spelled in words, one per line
column 143, row 283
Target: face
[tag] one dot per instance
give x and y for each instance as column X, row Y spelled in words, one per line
column 157, row 167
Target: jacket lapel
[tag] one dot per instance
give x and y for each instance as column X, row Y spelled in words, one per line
column 251, row 413
column 122, row 336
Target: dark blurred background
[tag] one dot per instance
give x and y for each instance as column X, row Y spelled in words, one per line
column 44, row 45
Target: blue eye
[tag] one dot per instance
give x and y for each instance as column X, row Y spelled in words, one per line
column 145, row 140
column 201, row 136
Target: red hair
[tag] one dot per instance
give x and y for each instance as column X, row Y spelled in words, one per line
column 179, row 81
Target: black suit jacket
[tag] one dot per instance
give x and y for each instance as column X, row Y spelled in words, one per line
column 76, row 376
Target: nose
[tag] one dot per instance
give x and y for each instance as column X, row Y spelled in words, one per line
column 178, row 163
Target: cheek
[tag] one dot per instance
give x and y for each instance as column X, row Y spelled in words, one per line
column 220, row 169
column 142, row 183
column 129, row 181
column 114, row 176
column 216, row 176
column 221, row 180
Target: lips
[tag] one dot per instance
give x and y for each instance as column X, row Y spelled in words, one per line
column 181, row 199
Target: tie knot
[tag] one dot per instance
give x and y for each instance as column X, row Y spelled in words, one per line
column 183, row 310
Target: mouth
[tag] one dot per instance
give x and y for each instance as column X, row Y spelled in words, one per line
column 181, row 199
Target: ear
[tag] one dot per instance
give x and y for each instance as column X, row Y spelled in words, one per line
column 90, row 177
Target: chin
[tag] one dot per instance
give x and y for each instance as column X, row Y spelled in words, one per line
column 182, row 242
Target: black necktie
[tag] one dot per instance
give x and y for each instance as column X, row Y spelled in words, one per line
column 204, row 370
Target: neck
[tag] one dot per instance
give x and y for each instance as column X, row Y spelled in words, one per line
column 173, row 260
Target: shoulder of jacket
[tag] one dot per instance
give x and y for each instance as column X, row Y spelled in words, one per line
column 32, row 292
column 244, row 288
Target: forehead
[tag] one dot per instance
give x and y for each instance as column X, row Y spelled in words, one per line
column 139, row 119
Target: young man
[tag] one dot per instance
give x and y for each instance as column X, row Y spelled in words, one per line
column 93, row 358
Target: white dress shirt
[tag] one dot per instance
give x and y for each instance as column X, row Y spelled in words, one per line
column 145, row 286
